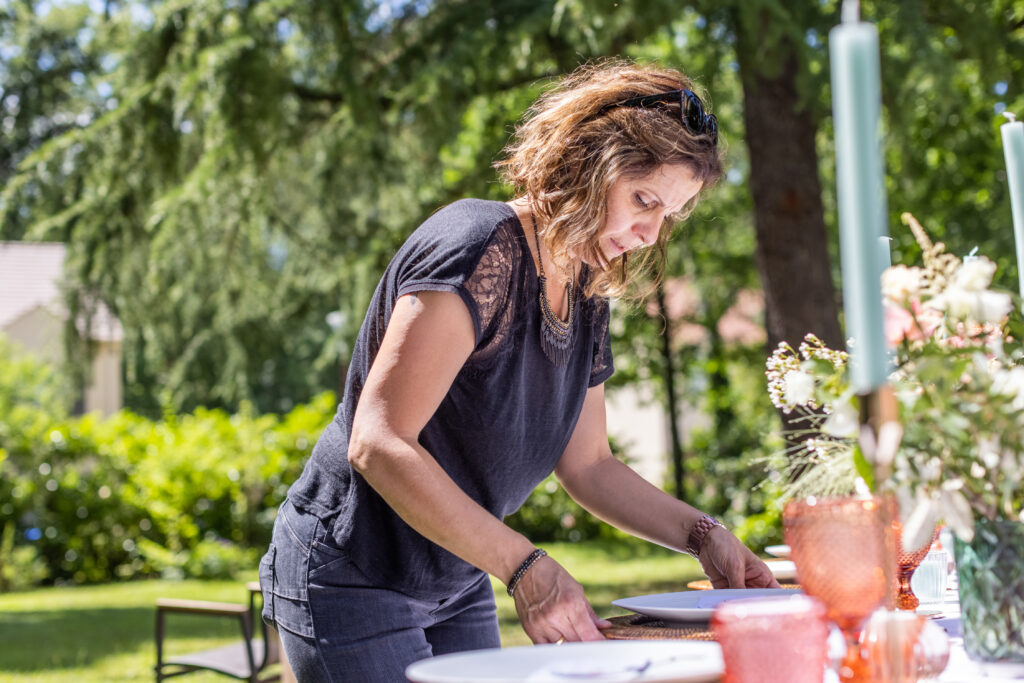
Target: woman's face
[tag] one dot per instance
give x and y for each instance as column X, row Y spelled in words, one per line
column 637, row 208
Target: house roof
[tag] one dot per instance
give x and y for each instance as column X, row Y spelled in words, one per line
column 30, row 277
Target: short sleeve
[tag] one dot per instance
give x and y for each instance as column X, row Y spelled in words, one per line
column 603, row 366
column 446, row 251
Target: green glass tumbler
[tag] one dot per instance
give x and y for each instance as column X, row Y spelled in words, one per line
column 991, row 571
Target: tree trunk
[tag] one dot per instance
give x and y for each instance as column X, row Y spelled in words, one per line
column 670, row 393
column 792, row 242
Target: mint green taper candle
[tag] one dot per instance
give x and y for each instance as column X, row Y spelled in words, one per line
column 856, row 111
column 884, row 252
column 1013, row 150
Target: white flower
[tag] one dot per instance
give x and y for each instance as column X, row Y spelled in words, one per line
column 957, row 512
column 1010, row 465
column 975, row 275
column 995, row 346
column 901, row 283
column 991, row 307
column 1010, row 383
column 843, row 422
column 977, row 470
column 919, row 523
column 931, row 470
column 958, row 303
column 907, row 395
column 966, row 304
column 798, row 387
column 988, row 451
column 953, row 484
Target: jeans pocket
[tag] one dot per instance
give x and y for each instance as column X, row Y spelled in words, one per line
column 267, row 584
column 293, row 534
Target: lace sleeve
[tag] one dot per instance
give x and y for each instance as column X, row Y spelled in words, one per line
column 603, row 366
column 490, row 287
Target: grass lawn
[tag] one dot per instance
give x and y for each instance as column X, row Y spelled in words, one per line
column 96, row 634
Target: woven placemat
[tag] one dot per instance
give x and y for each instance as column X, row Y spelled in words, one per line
column 705, row 585
column 643, row 627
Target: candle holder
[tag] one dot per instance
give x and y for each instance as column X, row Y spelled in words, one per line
column 880, row 430
column 880, row 439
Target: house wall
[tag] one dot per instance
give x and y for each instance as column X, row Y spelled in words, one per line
column 104, row 391
column 40, row 333
column 639, row 425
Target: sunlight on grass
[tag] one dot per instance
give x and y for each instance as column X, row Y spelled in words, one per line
column 105, row 633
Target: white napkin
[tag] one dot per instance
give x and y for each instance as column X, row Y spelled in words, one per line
column 581, row 669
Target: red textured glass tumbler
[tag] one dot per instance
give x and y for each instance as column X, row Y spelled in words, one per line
column 843, row 549
column 767, row 640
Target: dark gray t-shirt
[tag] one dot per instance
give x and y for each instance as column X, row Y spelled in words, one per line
column 504, row 422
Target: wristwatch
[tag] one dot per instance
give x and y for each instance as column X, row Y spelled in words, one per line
column 699, row 532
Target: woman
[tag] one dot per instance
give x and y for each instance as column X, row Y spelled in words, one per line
column 478, row 371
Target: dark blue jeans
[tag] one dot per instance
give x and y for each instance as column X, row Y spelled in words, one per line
column 337, row 625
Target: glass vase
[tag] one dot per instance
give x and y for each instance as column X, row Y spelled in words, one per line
column 991, row 571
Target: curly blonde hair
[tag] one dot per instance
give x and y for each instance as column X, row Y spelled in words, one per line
column 570, row 149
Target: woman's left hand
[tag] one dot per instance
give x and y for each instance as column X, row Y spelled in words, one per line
column 730, row 564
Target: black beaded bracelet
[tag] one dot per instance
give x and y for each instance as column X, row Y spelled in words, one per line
column 523, row 568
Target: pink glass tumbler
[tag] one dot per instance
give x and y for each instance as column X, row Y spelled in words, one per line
column 767, row 640
column 844, row 551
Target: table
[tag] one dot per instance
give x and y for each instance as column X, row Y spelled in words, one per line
column 961, row 669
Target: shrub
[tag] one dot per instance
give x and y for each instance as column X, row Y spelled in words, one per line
column 550, row 514
column 93, row 499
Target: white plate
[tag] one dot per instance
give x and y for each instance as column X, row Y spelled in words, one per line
column 782, row 570
column 778, row 550
column 690, row 606
column 608, row 661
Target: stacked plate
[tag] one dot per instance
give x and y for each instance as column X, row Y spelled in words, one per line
column 611, row 661
column 688, row 607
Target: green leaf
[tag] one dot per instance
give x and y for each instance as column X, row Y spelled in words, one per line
column 865, row 469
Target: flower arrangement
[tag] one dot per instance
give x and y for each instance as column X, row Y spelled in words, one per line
column 956, row 355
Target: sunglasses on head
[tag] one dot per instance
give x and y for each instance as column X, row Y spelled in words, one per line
column 696, row 120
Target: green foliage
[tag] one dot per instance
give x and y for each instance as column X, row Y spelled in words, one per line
column 949, row 70
column 761, row 529
column 222, row 185
column 228, row 174
column 551, row 515
column 189, row 495
column 20, row 567
column 29, row 384
column 89, row 499
column 734, row 445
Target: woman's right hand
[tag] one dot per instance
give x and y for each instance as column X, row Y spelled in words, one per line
column 552, row 607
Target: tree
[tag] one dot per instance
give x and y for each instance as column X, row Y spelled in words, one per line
column 229, row 174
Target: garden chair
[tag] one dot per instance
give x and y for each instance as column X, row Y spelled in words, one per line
column 245, row 659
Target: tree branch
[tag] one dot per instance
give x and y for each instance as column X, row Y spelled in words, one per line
column 312, row 94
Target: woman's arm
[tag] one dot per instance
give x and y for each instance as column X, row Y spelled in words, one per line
column 428, row 339
column 615, row 493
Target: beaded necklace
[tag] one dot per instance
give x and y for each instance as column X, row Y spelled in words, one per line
column 556, row 336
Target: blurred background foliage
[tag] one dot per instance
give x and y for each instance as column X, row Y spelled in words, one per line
column 86, row 499
column 232, row 177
